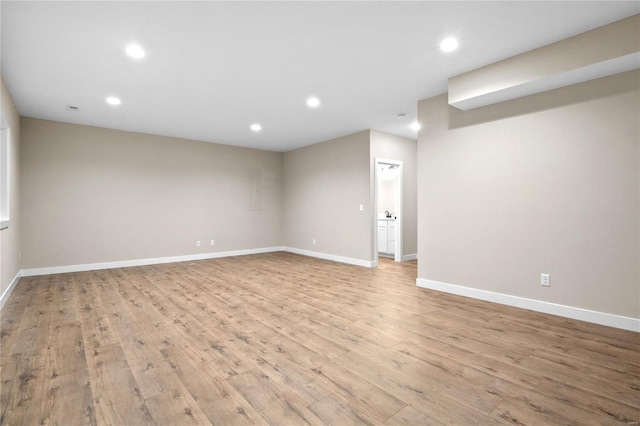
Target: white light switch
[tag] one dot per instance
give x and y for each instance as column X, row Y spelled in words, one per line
column 361, row 207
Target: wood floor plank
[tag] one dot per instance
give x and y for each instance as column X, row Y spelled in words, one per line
column 13, row 312
column 537, row 409
column 117, row 399
column 176, row 407
column 66, row 386
column 410, row 416
column 360, row 392
column 590, row 400
column 575, row 376
column 30, row 366
column 334, row 410
column 24, row 397
column 416, row 391
column 147, row 363
column 280, row 338
column 272, row 402
column 68, row 401
column 632, row 368
column 220, row 402
column 291, row 377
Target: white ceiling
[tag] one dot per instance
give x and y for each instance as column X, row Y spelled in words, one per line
column 214, row 68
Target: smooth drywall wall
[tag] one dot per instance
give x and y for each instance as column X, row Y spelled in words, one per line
column 391, row 147
column 548, row 65
column 386, row 197
column 10, row 237
column 95, row 195
column 324, row 185
column 543, row 184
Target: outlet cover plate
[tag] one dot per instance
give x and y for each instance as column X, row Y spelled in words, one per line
column 545, row 280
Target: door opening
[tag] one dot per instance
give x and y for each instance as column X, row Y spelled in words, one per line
column 388, row 211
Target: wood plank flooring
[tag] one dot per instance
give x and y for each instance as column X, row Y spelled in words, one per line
column 285, row 339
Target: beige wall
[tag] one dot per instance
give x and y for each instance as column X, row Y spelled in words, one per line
column 543, row 184
column 324, row 185
column 599, row 45
column 391, row 147
column 98, row 195
column 386, row 196
column 9, row 237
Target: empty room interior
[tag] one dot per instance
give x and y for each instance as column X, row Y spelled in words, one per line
column 326, row 213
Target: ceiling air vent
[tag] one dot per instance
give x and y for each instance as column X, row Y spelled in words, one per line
column 73, row 108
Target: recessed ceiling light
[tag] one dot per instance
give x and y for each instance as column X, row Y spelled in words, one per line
column 449, row 44
column 416, row 126
column 313, row 102
column 135, row 51
column 112, row 100
column 256, row 127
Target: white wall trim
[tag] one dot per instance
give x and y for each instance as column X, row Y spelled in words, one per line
column 406, row 257
column 335, row 258
column 611, row 320
column 9, row 290
column 141, row 262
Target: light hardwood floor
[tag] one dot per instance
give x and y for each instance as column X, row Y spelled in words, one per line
column 285, row 339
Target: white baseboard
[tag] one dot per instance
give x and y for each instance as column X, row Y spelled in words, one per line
column 9, row 290
column 625, row 323
column 406, row 257
column 186, row 258
column 142, row 262
column 335, row 258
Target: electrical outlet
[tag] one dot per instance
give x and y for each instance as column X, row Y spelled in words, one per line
column 213, row 243
column 197, row 243
column 314, row 241
column 545, row 280
column 361, row 207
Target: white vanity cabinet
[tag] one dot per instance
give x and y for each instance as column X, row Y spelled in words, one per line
column 387, row 236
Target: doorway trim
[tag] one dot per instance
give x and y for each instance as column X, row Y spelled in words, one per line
column 5, row 172
column 399, row 212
